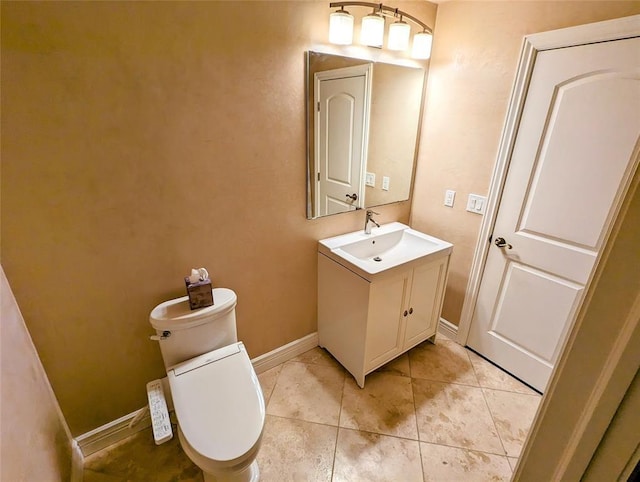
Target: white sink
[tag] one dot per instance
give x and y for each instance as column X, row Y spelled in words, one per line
column 389, row 246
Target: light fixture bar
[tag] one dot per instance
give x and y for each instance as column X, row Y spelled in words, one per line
column 382, row 9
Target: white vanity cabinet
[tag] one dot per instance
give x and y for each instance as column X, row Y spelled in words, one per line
column 365, row 323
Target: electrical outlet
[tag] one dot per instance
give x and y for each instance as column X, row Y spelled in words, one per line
column 449, row 197
column 476, row 204
column 385, row 183
column 370, row 179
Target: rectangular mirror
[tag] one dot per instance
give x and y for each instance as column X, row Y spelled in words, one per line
column 362, row 130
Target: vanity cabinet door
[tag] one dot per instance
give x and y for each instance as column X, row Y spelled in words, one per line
column 425, row 300
column 385, row 337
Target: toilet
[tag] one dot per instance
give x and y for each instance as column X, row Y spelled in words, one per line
column 216, row 393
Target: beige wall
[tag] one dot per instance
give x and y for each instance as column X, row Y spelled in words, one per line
column 139, row 140
column 473, row 63
column 35, row 441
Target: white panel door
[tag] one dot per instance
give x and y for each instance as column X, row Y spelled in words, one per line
column 576, row 147
column 341, row 124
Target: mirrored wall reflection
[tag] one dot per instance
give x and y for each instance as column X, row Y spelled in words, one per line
column 363, row 120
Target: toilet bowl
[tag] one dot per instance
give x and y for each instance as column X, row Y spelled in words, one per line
column 216, row 394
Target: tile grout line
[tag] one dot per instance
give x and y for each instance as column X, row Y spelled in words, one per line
column 447, row 382
column 508, row 391
column 335, row 448
column 495, row 426
column 506, row 454
column 415, row 414
column 466, row 449
column 493, row 420
column 488, row 408
column 499, row 390
column 273, row 389
column 282, row 417
column 535, row 395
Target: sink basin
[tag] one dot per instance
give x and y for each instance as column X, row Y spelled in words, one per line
column 389, row 246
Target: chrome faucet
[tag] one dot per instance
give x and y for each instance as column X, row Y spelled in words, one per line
column 368, row 221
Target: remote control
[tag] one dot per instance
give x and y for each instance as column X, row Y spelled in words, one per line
column 159, row 413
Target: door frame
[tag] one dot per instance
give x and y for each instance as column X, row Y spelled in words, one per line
column 579, row 411
column 318, row 77
column 617, row 29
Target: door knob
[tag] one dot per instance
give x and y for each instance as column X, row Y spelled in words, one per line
column 502, row 243
column 353, row 197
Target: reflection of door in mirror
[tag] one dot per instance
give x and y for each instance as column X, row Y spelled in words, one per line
column 342, row 97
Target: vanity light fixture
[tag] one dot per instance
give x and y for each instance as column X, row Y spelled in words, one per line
column 422, row 45
column 399, row 33
column 372, row 29
column 341, row 27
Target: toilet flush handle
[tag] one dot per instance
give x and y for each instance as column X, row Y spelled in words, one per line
column 165, row 334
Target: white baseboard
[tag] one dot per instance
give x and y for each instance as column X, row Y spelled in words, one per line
column 285, row 353
column 119, row 429
column 448, row 329
column 77, row 462
column 110, row 433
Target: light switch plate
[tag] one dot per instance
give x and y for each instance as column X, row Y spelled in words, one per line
column 449, row 197
column 370, row 179
column 385, row 183
column 476, row 204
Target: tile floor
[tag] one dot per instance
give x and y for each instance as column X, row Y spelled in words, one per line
column 437, row 413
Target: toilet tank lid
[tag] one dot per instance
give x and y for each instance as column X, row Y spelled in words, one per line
column 177, row 315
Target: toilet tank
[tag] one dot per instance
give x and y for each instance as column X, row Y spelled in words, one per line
column 186, row 333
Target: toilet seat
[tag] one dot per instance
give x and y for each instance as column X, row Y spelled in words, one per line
column 219, row 405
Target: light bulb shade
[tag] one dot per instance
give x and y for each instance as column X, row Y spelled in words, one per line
column 399, row 33
column 422, row 45
column 372, row 31
column 341, row 28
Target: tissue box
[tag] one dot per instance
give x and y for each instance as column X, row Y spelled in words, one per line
column 200, row 293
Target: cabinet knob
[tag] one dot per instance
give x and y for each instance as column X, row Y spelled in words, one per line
column 405, row 313
column 410, row 310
